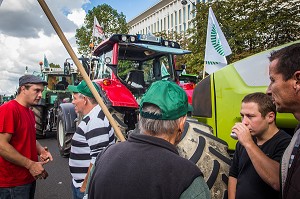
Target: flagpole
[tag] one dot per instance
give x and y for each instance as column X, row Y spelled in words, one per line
column 92, row 47
column 80, row 68
column 204, row 66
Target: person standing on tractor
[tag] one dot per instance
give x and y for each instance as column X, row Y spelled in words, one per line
column 92, row 135
column 254, row 172
column 148, row 165
column 63, row 82
column 284, row 72
column 19, row 149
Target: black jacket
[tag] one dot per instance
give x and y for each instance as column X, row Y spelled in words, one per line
column 292, row 184
column 142, row 167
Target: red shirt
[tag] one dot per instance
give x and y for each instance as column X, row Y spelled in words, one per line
column 20, row 122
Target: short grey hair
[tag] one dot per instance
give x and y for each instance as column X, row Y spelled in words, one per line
column 157, row 127
column 91, row 99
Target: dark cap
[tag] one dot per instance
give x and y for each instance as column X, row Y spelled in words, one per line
column 83, row 88
column 31, row 79
column 169, row 97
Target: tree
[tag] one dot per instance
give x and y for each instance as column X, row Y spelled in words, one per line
column 52, row 65
column 249, row 27
column 183, row 42
column 110, row 20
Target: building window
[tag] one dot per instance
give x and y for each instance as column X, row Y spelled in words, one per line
column 189, row 11
column 172, row 20
column 194, row 13
column 168, row 22
column 175, row 18
column 183, row 14
column 179, row 16
column 161, row 25
column 165, row 23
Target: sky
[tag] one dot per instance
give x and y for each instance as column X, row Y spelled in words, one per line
column 26, row 34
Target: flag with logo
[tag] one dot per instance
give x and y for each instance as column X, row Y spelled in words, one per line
column 46, row 63
column 97, row 29
column 216, row 48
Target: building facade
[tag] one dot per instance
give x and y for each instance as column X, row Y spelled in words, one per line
column 165, row 16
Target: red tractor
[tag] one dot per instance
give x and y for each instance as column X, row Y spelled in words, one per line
column 125, row 66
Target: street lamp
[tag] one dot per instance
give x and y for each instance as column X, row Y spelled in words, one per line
column 184, row 2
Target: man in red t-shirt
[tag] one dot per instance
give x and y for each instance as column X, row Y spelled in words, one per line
column 19, row 149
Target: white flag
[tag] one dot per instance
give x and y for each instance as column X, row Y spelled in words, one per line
column 216, row 48
column 97, row 29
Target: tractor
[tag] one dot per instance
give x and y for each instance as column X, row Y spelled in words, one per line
column 53, row 94
column 217, row 98
column 123, row 67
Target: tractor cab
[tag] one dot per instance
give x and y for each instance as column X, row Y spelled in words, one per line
column 135, row 61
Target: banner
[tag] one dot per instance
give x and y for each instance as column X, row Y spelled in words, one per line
column 97, row 29
column 216, row 48
column 46, row 63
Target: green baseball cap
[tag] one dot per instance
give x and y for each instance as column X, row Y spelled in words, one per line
column 83, row 88
column 169, row 97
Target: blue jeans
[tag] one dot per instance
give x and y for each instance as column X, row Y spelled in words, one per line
column 20, row 192
column 75, row 192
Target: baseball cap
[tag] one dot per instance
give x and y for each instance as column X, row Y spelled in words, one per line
column 169, row 97
column 83, row 88
column 31, row 79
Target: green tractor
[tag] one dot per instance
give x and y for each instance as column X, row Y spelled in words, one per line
column 53, row 95
column 5, row 98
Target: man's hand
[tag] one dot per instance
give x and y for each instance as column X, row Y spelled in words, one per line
column 82, row 189
column 37, row 170
column 243, row 133
column 45, row 155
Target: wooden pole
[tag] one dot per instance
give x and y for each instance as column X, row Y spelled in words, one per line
column 204, row 68
column 80, row 68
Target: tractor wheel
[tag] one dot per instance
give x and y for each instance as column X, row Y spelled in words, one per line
column 63, row 139
column 39, row 126
column 209, row 153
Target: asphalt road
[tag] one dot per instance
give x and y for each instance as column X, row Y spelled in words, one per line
column 58, row 183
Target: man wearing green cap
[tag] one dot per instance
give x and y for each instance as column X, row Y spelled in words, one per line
column 148, row 165
column 92, row 135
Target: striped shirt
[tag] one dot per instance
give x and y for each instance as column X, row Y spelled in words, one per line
column 92, row 135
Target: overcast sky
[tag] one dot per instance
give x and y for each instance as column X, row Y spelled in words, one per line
column 26, row 33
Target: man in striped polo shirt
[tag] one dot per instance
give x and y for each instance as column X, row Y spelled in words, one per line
column 92, row 135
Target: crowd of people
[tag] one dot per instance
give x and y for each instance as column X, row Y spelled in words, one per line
column 266, row 163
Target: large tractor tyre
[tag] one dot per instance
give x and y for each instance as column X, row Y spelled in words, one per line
column 63, row 138
column 209, row 153
column 39, row 124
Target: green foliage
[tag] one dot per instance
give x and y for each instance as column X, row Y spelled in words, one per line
column 52, row 65
column 250, row 26
column 183, row 41
column 108, row 18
